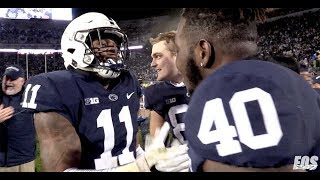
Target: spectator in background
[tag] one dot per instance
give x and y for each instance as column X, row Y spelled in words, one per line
column 12, row 13
column 304, row 62
column 305, row 74
column 316, row 83
column 21, row 14
column 287, row 61
column 316, row 63
column 18, row 140
column 291, row 63
column 143, row 118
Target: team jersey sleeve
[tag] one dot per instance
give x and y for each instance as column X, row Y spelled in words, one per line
column 148, row 104
column 153, row 101
column 248, row 121
column 42, row 95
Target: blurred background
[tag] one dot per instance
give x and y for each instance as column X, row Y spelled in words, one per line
column 30, row 37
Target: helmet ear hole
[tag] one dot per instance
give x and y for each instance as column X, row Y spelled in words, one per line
column 71, row 51
column 112, row 21
column 74, row 63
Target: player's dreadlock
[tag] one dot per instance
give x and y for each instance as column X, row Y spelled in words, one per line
column 232, row 29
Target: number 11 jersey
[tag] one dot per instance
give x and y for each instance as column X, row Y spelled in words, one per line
column 105, row 120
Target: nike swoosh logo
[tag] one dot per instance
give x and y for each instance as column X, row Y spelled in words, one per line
column 129, row 95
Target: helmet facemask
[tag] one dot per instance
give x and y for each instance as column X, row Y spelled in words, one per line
column 85, row 31
column 106, row 50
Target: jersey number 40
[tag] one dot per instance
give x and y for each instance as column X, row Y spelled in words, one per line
column 224, row 133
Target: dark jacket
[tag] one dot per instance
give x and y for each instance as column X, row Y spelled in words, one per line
column 18, row 138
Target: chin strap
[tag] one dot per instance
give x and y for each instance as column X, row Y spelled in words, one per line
column 104, row 73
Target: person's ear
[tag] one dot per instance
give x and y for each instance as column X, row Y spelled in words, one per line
column 206, row 54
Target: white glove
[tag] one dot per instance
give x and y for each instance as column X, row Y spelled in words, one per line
column 155, row 153
column 175, row 142
column 177, row 160
column 139, row 151
column 155, row 150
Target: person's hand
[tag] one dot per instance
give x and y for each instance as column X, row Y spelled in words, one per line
column 177, row 160
column 155, row 149
column 5, row 113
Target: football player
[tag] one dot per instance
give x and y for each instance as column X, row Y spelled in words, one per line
column 244, row 115
column 167, row 99
column 85, row 116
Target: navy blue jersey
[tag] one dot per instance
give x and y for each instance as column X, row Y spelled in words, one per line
column 170, row 102
column 105, row 120
column 253, row 114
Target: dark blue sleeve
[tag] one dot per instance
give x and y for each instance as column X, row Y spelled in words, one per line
column 42, row 95
column 153, row 99
column 148, row 104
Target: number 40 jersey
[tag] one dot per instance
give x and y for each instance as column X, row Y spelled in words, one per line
column 253, row 114
column 105, row 120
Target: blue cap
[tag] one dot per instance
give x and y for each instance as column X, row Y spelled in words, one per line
column 316, row 80
column 14, row 72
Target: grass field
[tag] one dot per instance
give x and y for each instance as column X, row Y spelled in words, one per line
column 38, row 161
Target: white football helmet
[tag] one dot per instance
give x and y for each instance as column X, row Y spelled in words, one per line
column 77, row 39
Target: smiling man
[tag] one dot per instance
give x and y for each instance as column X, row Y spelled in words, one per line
column 167, row 100
column 18, row 143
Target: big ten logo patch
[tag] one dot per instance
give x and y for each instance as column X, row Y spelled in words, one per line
column 171, row 100
column 305, row 162
column 89, row 101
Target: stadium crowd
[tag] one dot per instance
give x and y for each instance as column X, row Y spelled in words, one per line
column 223, row 52
column 297, row 36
